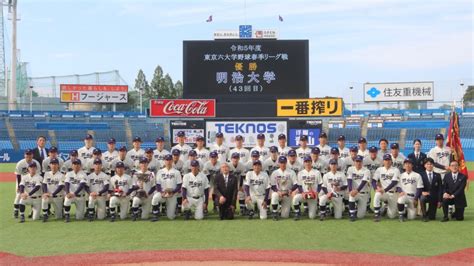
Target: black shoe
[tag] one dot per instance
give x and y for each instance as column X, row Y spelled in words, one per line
column 445, row 219
column 322, row 216
column 155, row 217
column 251, row 214
column 206, row 212
column 22, row 218
column 45, row 218
column 276, row 217
column 353, row 218
column 67, row 218
column 91, row 217
column 112, row 218
column 425, row 219
column 134, row 217
column 297, row 216
column 30, row 215
column 15, row 214
column 369, row 210
column 377, row 218
column 187, row 215
column 401, row 218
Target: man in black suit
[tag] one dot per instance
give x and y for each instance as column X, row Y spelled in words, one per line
column 225, row 188
column 431, row 192
column 454, row 184
column 417, row 157
column 40, row 152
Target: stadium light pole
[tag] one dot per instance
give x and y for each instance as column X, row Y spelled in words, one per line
column 141, row 100
column 12, row 4
column 462, row 95
column 350, row 98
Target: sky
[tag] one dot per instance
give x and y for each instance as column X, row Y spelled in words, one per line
column 350, row 42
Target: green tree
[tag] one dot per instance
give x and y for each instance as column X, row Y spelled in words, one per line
column 413, row 105
column 168, row 87
column 468, row 97
column 178, row 90
column 133, row 102
column 141, row 84
column 156, row 85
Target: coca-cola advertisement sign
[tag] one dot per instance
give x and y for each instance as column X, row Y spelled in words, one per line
column 183, row 108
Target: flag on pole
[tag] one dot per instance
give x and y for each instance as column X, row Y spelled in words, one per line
column 454, row 142
column 209, row 19
column 280, row 18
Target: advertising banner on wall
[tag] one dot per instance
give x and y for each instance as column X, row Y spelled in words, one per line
column 399, row 91
column 309, row 128
column 81, row 93
column 183, row 108
column 192, row 129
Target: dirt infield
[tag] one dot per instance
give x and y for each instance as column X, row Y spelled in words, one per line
column 240, row 257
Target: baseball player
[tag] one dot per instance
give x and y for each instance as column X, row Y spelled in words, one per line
column 303, row 150
column 52, row 154
column 323, row 146
column 168, row 184
column 283, row 183
column 293, row 163
column 127, row 162
column 271, row 164
column 74, row 185
column 97, row 186
column 363, row 147
column 409, row 189
column 85, row 153
column 67, row 165
column 350, row 161
column 121, row 186
column 358, row 178
column 341, row 145
column 384, row 182
column 53, row 193
column 260, row 147
column 30, row 192
column 441, row 156
column 220, row 147
column 136, row 152
column 89, row 165
column 160, row 152
column 307, row 181
column 397, row 157
column 195, row 192
column 192, row 155
column 257, row 189
column 383, row 148
column 341, row 163
column 254, row 156
column 110, row 155
column 238, row 169
column 143, row 187
column 153, row 164
column 282, row 148
column 21, row 169
column 317, row 163
column 201, row 151
column 333, row 185
column 177, row 162
column 210, row 170
column 239, row 148
column 182, row 147
column 373, row 162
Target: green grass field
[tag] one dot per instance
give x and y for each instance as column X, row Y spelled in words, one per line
column 414, row 238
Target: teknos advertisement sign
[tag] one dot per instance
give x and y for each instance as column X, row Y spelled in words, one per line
column 247, row 129
column 182, row 108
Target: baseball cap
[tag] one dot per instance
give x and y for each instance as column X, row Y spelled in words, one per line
column 282, row 136
column 362, row 140
column 181, row 134
column 97, row 161
column 32, row 164
column 143, row 160
column 213, row 154
column 194, row 163
column 148, row 150
column 291, row 153
column 354, row 149
column 261, row 136
column 315, row 150
column 111, row 141
column 76, row 161
column 387, row 157
column 323, row 135
column 273, row 149
column 192, row 153
column 334, row 150
column 282, row 159
column 89, row 136
column 219, row 135
column 119, row 165
column 257, row 162
column 176, row 152
column 28, row 151
column 235, row 155
column 303, row 138
column 373, row 149
column 408, row 160
column 255, row 154
column 123, row 148
column 239, row 137
column 73, row 153
column 96, row 151
column 200, row 138
column 137, row 138
column 307, row 159
column 359, row 158
column 53, row 149
column 54, row 161
column 159, row 139
column 333, row 161
column 168, row 157
column 439, row 136
column 394, row 146
column 341, row 137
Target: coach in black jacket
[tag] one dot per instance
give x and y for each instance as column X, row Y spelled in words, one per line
column 431, row 192
column 417, row 157
column 225, row 187
column 40, row 152
column 454, row 184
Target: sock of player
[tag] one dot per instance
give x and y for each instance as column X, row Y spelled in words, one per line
column 67, row 209
column 135, row 210
column 16, row 207
column 305, row 206
column 155, row 209
column 296, row 208
column 274, row 208
column 352, row 206
column 179, row 200
column 322, row 209
column 45, row 211
column 376, row 210
column 22, row 209
column 401, row 209
column 112, row 211
column 242, row 204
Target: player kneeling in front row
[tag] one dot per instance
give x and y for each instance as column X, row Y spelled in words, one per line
column 384, row 183
column 283, row 182
column 168, row 184
column 357, row 182
column 409, row 188
column 143, row 187
column 121, row 186
column 30, row 192
column 53, row 185
column 195, row 192
column 307, row 181
column 257, row 188
column 97, row 187
column 74, row 184
column 334, row 185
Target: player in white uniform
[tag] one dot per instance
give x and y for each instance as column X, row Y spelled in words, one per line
column 53, row 193
column 168, row 185
column 260, row 147
column 323, row 146
column 109, row 156
column 384, row 182
column 74, row 185
column 254, row 156
column 195, row 192
column 257, row 188
column 153, row 164
column 373, row 162
column 350, row 161
column 397, row 157
column 303, row 149
column 192, row 155
column 441, row 156
column 30, row 192
column 201, row 152
column 282, row 148
column 121, row 186
column 283, row 183
column 271, row 164
column 363, row 151
column 97, row 186
column 177, row 162
column 334, row 184
column 210, row 170
column 409, row 187
column 358, row 179
column 307, row 182
column 220, row 147
column 160, row 152
column 89, row 164
column 238, row 169
column 182, row 147
column 85, row 153
column 127, row 162
column 52, row 154
column 21, row 169
column 383, row 148
column 341, row 163
column 293, row 162
column 341, row 145
column 136, row 152
column 144, row 184
column 317, row 163
column 67, row 165
column 239, row 148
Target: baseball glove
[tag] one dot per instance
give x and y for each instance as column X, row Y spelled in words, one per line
column 309, row 195
column 118, row 192
column 141, row 194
